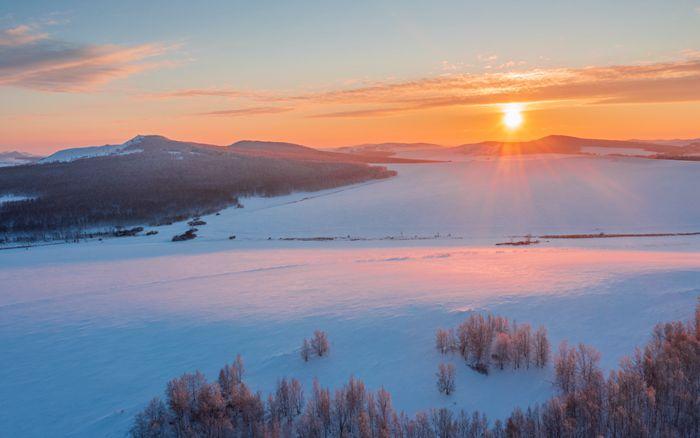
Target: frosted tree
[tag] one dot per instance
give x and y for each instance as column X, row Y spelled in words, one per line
column 446, row 378
column 442, row 341
column 565, row 369
column 319, row 343
column 231, row 376
column 153, row 421
column 502, row 350
column 523, row 344
column 540, row 347
column 305, row 350
column 287, row 402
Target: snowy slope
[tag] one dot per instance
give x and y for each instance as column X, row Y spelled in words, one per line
column 90, row 332
column 88, row 342
column 72, row 154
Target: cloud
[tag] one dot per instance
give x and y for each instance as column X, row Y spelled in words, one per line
column 672, row 81
column 241, row 112
column 660, row 82
column 20, row 35
column 215, row 92
column 370, row 112
column 33, row 60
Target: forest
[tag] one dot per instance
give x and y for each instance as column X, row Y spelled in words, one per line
column 654, row 393
column 155, row 186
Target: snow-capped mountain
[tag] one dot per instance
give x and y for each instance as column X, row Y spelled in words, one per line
column 72, row 154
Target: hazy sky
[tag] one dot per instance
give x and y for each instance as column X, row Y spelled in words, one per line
column 328, row 73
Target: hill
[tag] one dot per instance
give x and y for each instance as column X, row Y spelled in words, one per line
column 152, row 179
column 562, row 144
column 299, row 152
column 16, row 158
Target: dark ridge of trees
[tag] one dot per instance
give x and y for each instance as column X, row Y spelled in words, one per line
column 654, row 393
column 494, row 340
column 152, row 187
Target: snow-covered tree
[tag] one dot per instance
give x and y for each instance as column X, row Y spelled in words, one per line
column 446, row 378
column 540, row 347
column 319, row 343
column 502, row 351
column 305, row 350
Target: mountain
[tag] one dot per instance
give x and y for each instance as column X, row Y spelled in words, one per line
column 15, row 158
column 299, row 152
column 672, row 142
column 72, row 154
column 387, row 147
column 152, row 179
column 562, row 144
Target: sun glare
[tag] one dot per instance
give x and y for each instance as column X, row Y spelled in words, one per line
column 512, row 115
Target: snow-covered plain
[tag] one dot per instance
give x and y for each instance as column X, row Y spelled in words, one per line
column 89, row 332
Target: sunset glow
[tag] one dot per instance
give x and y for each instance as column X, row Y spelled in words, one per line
column 88, row 75
column 512, row 116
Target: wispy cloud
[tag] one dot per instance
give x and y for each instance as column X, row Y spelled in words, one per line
column 660, row 82
column 369, row 112
column 216, row 92
column 20, row 35
column 672, row 81
column 241, row 112
column 32, row 59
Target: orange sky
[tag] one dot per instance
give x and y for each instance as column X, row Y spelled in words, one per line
column 306, row 74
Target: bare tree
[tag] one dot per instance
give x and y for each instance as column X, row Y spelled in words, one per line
column 319, row 343
column 305, row 350
column 152, row 422
column 442, row 341
column 541, row 348
column 446, row 378
column 565, row 369
column 523, row 345
column 502, row 349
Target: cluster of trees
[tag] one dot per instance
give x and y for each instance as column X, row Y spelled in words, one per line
column 655, row 393
column 151, row 187
column 494, row 340
column 318, row 346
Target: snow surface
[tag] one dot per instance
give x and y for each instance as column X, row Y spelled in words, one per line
column 13, row 198
column 479, row 200
column 72, row 154
column 9, row 162
column 90, row 332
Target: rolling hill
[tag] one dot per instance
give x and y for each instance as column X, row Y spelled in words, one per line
column 152, row 179
column 562, row 144
column 15, row 158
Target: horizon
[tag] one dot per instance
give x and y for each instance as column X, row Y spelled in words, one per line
column 327, row 76
column 60, row 148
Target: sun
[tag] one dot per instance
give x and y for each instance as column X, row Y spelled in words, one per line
column 512, row 115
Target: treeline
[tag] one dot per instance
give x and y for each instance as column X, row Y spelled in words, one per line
column 154, row 188
column 655, row 393
column 494, row 340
